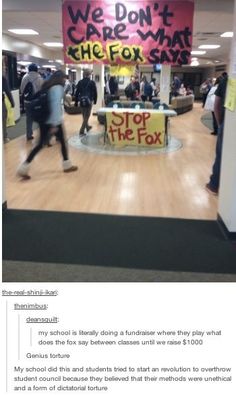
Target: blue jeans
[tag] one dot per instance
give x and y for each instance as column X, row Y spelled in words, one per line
column 29, row 121
column 215, row 177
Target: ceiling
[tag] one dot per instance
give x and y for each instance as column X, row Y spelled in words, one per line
column 211, row 18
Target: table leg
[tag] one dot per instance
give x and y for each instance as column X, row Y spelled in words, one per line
column 105, row 131
column 166, row 131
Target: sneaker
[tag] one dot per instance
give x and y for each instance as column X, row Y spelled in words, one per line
column 89, row 128
column 23, row 171
column 211, row 189
column 70, row 169
column 6, row 140
column 30, row 138
column 24, row 177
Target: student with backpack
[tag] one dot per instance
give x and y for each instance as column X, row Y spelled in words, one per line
column 86, row 96
column 31, row 83
column 131, row 89
column 53, row 124
column 146, row 90
column 142, row 84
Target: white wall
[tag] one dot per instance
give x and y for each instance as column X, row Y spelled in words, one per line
column 98, row 71
column 227, row 197
column 165, row 83
column 16, row 97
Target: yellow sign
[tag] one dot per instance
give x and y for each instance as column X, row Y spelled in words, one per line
column 122, row 70
column 136, row 128
column 230, row 101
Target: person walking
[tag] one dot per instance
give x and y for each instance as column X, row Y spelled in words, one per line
column 142, row 85
column 146, row 90
column 154, row 87
column 113, row 85
column 204, row 89
column 131, row 89
column 213, row 185
column 48, row 73
column 53, row 125
column 5, row 91
column 68, row 86
column 209, row 104
column 86, row 90
column 31, row 83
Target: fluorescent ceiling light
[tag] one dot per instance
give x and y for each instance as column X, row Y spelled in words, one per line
column 198, row 52
column 53, row 44
column 51, row 61
column 58, row 61
column 24, row 31
column 74, row 70
column 227, row 34
column 217, row 61
column 209, row 46
column 23, row 63
column 48, row 66
column 194, row 59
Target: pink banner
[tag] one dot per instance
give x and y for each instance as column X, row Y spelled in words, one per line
column 128, row 32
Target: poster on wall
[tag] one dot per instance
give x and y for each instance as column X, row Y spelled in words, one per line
column 230, row 100
column 127, row 32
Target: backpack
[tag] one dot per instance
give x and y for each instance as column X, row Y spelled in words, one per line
column 39, row 107
column 28, row 93
column 84, row 101
column 129, row 91
column 148, row 89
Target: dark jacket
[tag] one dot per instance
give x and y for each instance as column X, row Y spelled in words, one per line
column 6, row 90
column 221, row 92
column 86, row 87
column 113, row 86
